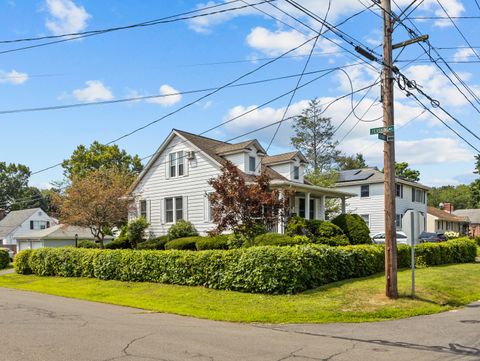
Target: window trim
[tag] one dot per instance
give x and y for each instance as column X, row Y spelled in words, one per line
column 250, row 158
column 176, row 162
column 361, row 190
column 296, row 172
column 174, row 209
column 399, row 190
column 399, row 221
column 141, row 203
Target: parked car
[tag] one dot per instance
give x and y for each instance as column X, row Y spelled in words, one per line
column 431, row 237
column 379, row 238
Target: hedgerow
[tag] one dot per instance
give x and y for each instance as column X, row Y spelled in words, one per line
column 4, row 258
column 263, row 269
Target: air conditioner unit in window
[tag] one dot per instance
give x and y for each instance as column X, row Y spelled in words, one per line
column 190, row 154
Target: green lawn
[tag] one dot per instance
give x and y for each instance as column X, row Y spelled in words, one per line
column 438, row 289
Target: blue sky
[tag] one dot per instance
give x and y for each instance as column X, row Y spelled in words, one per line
column 180, row 56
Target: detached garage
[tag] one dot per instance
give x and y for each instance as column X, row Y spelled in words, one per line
column 57, row 236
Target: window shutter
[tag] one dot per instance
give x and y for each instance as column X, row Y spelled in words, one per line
column 413, row 194
column 185, row 208
column 162, row 210
column 167, row 166
column 149, row 211
column 206, row 205
column 31, row 224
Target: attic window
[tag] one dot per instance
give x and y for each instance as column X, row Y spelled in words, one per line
column 251, row 164
column 176, row 168
column 296, row 172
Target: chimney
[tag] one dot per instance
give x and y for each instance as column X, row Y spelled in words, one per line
column 448, row 207
column 3, row 213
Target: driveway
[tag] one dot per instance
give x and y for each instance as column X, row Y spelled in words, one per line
column 42, row 327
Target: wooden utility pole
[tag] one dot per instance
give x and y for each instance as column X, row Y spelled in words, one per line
column 389, row 157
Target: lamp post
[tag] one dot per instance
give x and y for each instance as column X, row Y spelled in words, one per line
column 76, row 240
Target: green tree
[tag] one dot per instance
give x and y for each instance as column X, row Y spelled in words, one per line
column 100, row 156
column 347, row 162
column 13, row 184
column 314, row 138
column 402, row 171
column 460, row 196
column 475, row 191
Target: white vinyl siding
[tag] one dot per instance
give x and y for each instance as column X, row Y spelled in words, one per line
column 156, row 186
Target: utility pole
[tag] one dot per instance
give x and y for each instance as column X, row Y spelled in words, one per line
column 389, row 157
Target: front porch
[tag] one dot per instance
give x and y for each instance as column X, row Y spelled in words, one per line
column 307, row 201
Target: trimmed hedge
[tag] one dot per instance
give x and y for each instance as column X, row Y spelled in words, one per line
column 214, row 242
column 276, row 239
column 88, row 244
column 340, row 240
column 458, row 250
column 354, row 227
column 154, row 243
column 182, row 229
column 4, row 258
column 186, row 243
column 261, row 269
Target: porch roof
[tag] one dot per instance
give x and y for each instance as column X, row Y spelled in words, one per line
column 315, row 190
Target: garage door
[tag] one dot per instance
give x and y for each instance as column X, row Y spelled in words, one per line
column 23, row 245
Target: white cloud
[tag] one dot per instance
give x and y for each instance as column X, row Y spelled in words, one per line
column 172, row 97
column 273, row 43
column 464, row 54
column 432, row 151
column 94, row 91
column 12, row 77
column 66, row 17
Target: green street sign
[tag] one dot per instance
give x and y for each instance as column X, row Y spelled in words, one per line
column 382, row 130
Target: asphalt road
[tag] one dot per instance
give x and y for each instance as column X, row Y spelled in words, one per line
column 42, row 327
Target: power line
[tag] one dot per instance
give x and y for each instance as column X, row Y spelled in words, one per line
column 164, row 20
column 146, row 97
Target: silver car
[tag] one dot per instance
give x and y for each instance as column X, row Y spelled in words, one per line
column 379, row 238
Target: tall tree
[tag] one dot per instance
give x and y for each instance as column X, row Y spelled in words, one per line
column 402, row 171
column 13, row 183
column 475, row 185
column 347, row 162
column 460, row 196
column 314, row 138
column 100, row 156
column 244, row 208
column 96, row 201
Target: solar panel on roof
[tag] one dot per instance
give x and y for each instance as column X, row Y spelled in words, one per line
column 355, row 175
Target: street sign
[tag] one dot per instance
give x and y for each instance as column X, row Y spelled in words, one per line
column 381, row 130
column 386, row 138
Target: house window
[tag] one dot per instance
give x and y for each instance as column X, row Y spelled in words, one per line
column 251, row 164
column 39, row 224
column 418, row 195
column 296, row 172
column 366, row 219
column 365, row 191
column 312, row 209
column 398, row 221
column 399, row 190
column 143, row 209
column 173, row 209
column 301, row 207
column 177, row 167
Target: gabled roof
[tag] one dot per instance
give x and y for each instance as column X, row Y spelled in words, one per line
column 283, row 158
column 370, row 176
column 472, row 214
column 230, row 148
column 445, row 216
column 60, row 232
column 14, row 219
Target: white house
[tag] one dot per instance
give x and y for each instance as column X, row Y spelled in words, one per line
column 19, row 222
column 368, row 185
column 441, row 221
column 174, row 184
column 60, row 235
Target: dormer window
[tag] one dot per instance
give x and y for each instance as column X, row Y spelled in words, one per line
column 296, row 172
column 252, row 164
column 176, row 168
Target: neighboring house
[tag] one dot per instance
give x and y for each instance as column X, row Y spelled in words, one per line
column 60, row 235
column 19, row 222
column 368, row 185
column 174, row 184
column 441, row 221
column 474, row 218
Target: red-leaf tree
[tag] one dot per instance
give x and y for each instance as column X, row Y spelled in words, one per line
column 245, row 207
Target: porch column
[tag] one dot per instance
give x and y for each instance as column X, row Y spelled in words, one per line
column 321, row 208
column 307, row 205
column 344, row 207
column 281, row 216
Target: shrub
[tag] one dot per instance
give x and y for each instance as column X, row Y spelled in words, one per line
column 263, row 269
column 88, row 244
column 4, row 258
column 214, row 242
column 296, row 226
column 21, row 262
column 136, row 231
column 354, row 227
column 276, row 239
column 154, row 243
column 451, row 235
column 186, row 243
column 340, row 240
column 477, row 240
column 119, row 243
column 182, row 229
column 236, row 240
